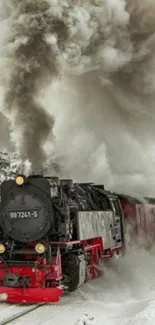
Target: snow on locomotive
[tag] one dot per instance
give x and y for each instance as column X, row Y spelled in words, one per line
column 54, row 233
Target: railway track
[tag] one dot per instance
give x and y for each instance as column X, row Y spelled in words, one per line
column 19, row 314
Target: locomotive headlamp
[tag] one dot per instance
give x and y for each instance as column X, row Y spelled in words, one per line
column 40, row 248
column 19, row 180
column 2, row 248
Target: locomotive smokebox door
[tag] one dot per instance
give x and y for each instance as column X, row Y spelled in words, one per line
column 26, row 212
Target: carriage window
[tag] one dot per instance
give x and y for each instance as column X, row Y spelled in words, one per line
column 116, row 207
column 153, row 215
column 139, row 216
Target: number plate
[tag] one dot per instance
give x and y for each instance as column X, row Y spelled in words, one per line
column 33, row 214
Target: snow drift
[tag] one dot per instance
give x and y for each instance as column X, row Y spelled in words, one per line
column 86, row 320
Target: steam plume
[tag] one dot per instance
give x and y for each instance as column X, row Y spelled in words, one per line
column 34, row 63
column 104, row 50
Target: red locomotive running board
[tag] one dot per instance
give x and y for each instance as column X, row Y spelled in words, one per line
column 30, row 295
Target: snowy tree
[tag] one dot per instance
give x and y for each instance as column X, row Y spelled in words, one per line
column 10, row 165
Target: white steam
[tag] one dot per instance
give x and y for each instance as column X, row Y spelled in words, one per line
column 104, row 106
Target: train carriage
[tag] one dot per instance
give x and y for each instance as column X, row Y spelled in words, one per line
column 139, row 216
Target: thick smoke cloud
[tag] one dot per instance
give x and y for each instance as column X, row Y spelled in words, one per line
column 33, row 64
column 104, row 104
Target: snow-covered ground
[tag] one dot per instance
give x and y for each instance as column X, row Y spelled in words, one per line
column 124, row 296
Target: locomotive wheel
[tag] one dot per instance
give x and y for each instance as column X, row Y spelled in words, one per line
column 71, row 261
column 70, row 266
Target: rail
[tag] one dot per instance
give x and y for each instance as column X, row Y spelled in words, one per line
column 20, row 314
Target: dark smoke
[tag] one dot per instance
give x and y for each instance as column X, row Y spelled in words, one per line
column 35, row 65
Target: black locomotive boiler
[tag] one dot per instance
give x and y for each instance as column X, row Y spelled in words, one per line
column 53, row 235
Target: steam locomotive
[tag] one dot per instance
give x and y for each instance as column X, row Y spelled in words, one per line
column 55, row 233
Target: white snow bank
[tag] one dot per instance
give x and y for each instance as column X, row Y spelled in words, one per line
column 146, row 316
